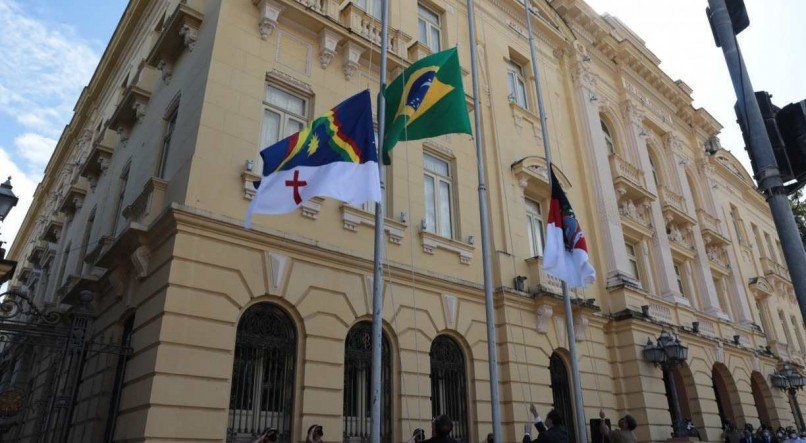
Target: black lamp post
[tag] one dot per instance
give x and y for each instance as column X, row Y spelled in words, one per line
column 790, row 380
column 669, row 352
column 7, row 201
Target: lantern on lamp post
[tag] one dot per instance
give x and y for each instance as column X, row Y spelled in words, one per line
column 668, row 353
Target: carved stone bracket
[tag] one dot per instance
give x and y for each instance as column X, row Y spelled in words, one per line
column 310, row 208
column 580, row 327
column 140, row 258
column 269, row 11
column 542, row 318
column 328, row 40
column 672, row 142
column 352, row 55
column 450, row 305
column 353, row 217
column 432, row 242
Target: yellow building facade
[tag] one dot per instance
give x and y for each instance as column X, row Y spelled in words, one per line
column 139, row 221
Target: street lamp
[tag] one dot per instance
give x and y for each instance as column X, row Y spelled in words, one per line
column 7, row 199
column 790, row 380
column 668, row 353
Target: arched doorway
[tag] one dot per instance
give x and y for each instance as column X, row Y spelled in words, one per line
column 449, row 385
column 687, row 398
column 762, row 397
column 263, row 372
column 727, row 398
column 357, row 385
column 561, row 392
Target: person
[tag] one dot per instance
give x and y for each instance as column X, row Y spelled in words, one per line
column 490, row 438
column 624, row 433
column 268, row 435
column 792, row 436
column 315, row 434
column 765, row 436
column 552, row 431
column 441, row 428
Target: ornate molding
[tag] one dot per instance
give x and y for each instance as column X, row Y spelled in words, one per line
column 140, row 259
column 672, row 142
column 450, row 305
column 328, row 41
column 580, row 327
column 431, row 242
column 310, row 208
column 542, row 318
column 352, row 56
column 353, row 217
column 269, row 12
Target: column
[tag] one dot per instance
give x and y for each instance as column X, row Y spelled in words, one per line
column 707, row 290
column 661, row 251
column 597, row 167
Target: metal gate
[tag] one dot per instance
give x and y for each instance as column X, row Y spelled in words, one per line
column 42, row 356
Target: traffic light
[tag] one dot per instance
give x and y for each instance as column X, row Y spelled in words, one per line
column 786, row 129
column 738, row 18
column 791, row 121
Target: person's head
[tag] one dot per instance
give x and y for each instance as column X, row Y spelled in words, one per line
column 628, row 423
column 442, row 426
column 271, row 434
column 490, row 438
column 554, row 418
column 315, row 433
column 418, row 434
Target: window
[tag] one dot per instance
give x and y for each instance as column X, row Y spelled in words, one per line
column 796, row 331
column 679, row 276
column 63, row 266
column 517, row 88
column 534, row 225
column 124, row 178
column 449, row 385
column 166, row 142
column 632, row 258
column 85, row 242
column 373, row 7
column 654, row 171
column 759, row 245
column 262, row 390
column 787, row 333
column 734, row 218
column 429, row 28
column 770, row 248
column 438, row 196
column 283, row 114
column 357, row 385
column 608, row 136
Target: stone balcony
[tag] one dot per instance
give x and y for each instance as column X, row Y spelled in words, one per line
column 360, row 22
column 149, row 204
column 710, row 227
column 97, row 160
column 178, row 35
column 73, row 197
column 629, row 180
column 772, row 268
column 53, row 228
column 674, row 206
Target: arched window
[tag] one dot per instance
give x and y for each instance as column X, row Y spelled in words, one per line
column 262, row 392
column 449, row 385
column 762, row 397
column 358, row 385
column 654, row 170
column 561, row 393
column 608, row 136
column 117, row 384
column 725, row 393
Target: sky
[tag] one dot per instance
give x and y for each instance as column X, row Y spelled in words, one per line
column 50, row 49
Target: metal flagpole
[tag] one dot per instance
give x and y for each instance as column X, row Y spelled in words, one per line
column 377, row 280
column 492, row 342
column 569, row 315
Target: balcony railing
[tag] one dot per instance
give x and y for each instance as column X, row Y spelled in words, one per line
column 359, row 21
column 711, row 229
column 145, row 208
column 628, row 179
column 770, row 266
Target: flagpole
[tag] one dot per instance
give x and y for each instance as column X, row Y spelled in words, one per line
column 492, row 342
column 569, row 315
column 377, row 276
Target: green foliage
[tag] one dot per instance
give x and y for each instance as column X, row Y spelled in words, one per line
column 796, row 201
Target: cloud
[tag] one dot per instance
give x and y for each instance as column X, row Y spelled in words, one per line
column 42, row 71
column 24, row 186
column 35, row 148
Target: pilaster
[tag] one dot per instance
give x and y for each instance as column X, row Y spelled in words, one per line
column 598, row 168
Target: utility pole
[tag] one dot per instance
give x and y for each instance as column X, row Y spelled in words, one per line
column 766, row 169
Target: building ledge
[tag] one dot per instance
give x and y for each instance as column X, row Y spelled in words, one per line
column 73, row 198
column 179, row 34
column 431, row 242
column 97, row 160
column 145, row 208
column 353, row 217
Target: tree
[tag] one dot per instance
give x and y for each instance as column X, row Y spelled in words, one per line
column 798, row 205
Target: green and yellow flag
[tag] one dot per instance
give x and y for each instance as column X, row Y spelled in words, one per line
column 426, row 100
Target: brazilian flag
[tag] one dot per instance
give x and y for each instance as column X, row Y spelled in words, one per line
column 426, row 100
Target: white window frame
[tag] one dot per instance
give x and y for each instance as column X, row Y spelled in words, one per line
column 516, row 85
column 170, row 125
column 535, row 227
column 425, row 22
column 371, row 7
column 610, row 142
column 439, row 180
column 632, row 257
column 285, row 116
